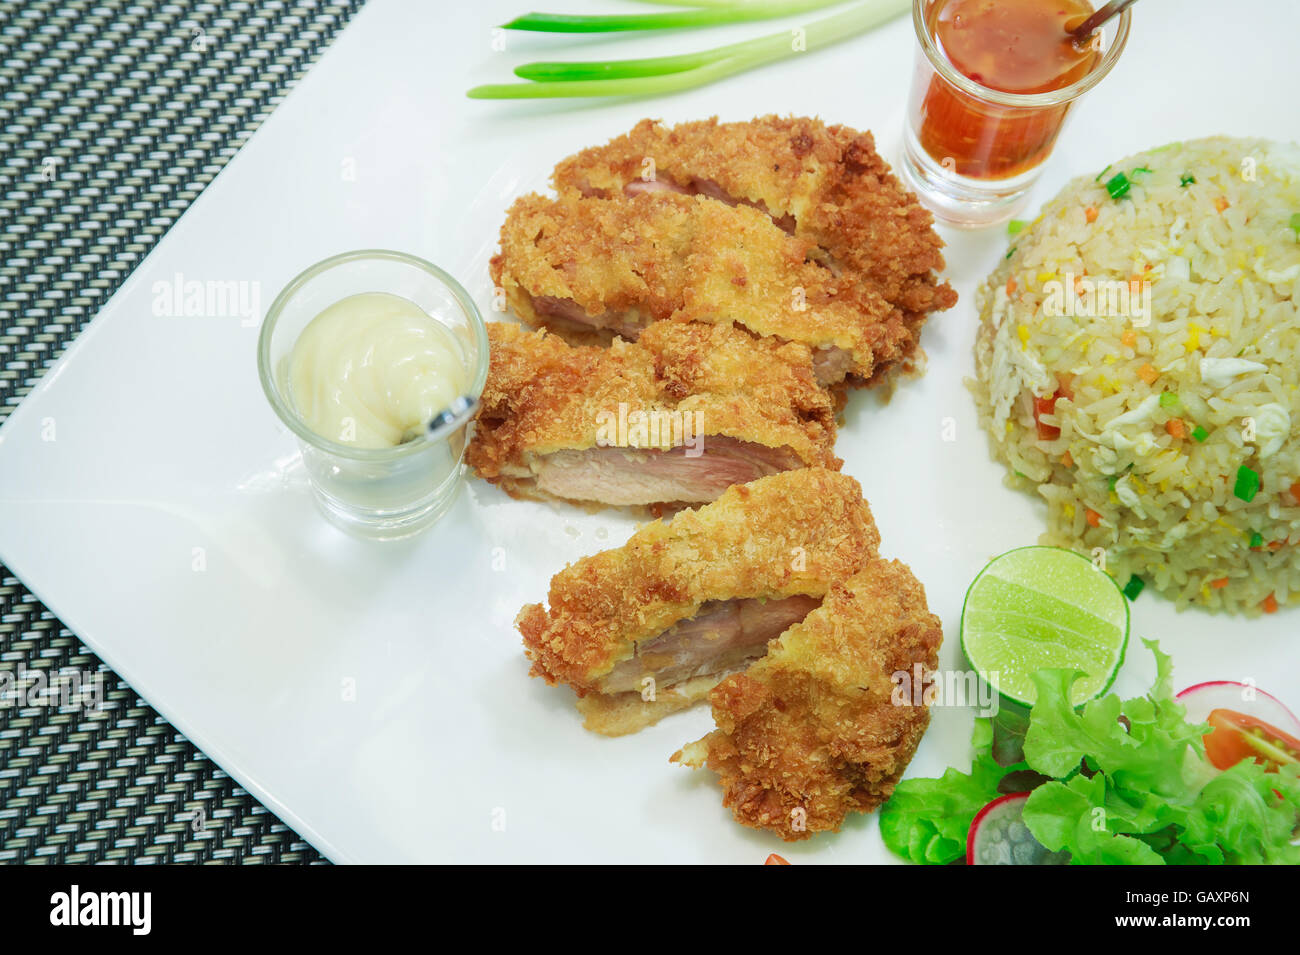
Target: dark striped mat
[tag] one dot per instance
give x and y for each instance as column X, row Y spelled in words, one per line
column 115, row 116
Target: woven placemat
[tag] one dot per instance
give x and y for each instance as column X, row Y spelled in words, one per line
column 115, row 116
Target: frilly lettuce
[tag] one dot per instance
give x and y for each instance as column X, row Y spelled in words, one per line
column 1129, row 784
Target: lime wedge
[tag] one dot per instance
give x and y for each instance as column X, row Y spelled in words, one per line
column 1038, row 607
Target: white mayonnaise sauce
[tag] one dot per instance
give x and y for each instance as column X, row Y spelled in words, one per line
column 370, row 370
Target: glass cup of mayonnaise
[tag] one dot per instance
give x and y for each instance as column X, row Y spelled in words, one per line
column 357, row 355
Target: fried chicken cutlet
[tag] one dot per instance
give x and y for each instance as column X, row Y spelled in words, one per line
column 825, row 184
column 618, row 265
column 675, row 418
column 810, row 732
column 650, row 627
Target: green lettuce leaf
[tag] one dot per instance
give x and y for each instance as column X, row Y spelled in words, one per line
column 1147, row 753
column 1246, row 816
column 1148, row 794
column 926, row 820
column 1059, row 738
column 1077, row 817
column 1129, row 784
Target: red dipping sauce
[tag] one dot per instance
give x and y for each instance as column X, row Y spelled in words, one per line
column 1010, row 46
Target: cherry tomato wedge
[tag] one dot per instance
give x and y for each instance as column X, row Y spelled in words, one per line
column 775, row 859
column 1235, row 736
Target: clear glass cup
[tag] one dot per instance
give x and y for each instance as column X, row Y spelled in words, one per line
column 971, row 153
column 379, row 493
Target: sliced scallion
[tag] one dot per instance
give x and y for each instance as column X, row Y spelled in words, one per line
column 1118, row 186
column 710, row 15
column 669, row 74
column 1247, row 485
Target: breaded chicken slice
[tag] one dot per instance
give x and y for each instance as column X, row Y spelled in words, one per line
column 619, row 265
column 810, row 732
column 650, row 627
column 826, row 184
column 675, row 418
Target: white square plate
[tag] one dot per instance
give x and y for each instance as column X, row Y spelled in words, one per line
column 169, row 525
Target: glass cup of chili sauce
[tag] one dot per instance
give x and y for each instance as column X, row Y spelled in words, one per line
column 994, row 81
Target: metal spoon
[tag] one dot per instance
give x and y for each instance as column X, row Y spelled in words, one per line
column 1085, row 29
column 453, row 416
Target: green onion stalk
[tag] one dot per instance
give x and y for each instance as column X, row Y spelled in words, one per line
column 707, row 15
column 655, row 76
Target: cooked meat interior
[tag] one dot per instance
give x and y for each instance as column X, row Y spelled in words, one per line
column 723, row 636
column 675, row 418
column 566, row 316
column 688, row 601
column 628, row 476
column 812, row 731
column 617, row 265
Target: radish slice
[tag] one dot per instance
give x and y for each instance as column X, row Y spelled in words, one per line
column 1203, row 698
column 998, row 836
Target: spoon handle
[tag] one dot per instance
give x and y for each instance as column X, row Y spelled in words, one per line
column 1084, row 29
column 460, row 411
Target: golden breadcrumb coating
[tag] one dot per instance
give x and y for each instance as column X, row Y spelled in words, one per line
column 810, row 732
column 543, row 395
column 792, row 533
column 665, row 256
column 825, row 183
